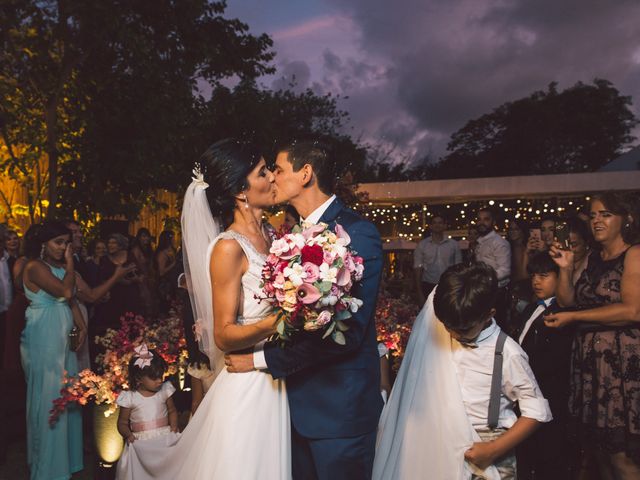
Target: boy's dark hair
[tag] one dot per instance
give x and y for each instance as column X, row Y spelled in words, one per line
column 465, row 295
column 541, row 262
column 317, row 154
column 157, row 369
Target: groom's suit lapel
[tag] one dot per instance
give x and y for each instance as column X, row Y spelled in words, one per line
column 331, row 213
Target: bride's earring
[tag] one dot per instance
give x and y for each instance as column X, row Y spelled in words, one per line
column 246, row 202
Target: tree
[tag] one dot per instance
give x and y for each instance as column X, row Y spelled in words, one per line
column 272, row 119
column 105, row 91
column 576, row 130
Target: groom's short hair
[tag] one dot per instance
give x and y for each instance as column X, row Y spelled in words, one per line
column 465, row 295
column 318, row 155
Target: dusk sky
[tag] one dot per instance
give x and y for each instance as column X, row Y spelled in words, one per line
column 417, row 70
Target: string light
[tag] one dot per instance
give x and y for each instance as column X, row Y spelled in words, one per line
column 408, row 221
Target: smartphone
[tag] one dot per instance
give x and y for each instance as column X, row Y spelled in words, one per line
column 536, row 233
column 562, row 235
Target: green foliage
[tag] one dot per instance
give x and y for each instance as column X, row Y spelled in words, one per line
column 106, row 91
column 577, row 130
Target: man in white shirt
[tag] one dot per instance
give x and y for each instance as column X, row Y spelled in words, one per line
column 433, row 256
column 495, row 251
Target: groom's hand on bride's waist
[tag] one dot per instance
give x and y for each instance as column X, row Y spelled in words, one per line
column 239, row 362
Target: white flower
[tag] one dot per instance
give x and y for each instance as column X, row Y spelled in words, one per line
column 296, row 274
column 354, row 304
column 328, row 274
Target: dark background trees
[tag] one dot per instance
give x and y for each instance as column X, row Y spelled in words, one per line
column 578, row 129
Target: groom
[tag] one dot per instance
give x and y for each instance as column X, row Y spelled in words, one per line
column 333, row 390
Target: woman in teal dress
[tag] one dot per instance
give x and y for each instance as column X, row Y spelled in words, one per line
column 53, row 452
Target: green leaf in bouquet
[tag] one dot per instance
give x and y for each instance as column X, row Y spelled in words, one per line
column 343, row 315
column 338, row 337
column 280, row 327
column 343, row 327
column 297, row 228
column 324, row 287
column 329, row 330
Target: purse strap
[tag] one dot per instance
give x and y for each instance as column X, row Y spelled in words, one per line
column 496, row 382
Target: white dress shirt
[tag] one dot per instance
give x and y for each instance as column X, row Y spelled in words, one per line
column 6, row 289
column 315, row 216
column 495, row 251
column 474, row 368
column 259, row 362
column 536, row 313
column 435, row 257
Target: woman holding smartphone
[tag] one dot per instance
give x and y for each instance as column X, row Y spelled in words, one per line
column 605, row 389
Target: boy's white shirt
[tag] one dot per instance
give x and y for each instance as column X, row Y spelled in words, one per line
column 474, row 368
column 424, row 428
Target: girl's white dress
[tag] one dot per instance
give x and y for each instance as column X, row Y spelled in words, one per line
column 149, row 423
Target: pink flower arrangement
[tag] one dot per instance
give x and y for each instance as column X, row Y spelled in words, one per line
column 165, row 336
column 394, row 320
column 308, row 277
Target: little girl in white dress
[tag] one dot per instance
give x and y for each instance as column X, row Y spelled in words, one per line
column 148, row 419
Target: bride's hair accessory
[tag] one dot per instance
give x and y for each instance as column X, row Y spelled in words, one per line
column 143, row 356
column 198, row 177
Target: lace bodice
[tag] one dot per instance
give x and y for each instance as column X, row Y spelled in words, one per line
column 600, row 283
column 252, row 309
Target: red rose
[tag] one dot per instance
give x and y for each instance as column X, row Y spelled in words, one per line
column 312, row 254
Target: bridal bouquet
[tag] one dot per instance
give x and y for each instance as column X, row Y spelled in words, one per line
column 308, row 278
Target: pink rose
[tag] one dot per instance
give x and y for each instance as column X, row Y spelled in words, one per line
column 329, row 257
column 323, row 318
column 312, row 271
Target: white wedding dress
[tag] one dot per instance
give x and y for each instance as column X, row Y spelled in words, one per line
column 241, row 430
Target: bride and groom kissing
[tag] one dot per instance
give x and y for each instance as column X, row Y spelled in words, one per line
column 306, row 411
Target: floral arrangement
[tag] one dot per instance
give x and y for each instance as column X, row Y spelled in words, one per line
column 308, row 277
column 103, row 387
column 394, row 320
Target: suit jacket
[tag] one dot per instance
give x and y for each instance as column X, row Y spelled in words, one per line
column 549, row 352
column 334, row 390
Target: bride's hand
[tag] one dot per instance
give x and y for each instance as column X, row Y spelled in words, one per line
column 239, row 362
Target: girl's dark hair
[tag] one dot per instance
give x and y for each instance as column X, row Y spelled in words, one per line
column 541, row 262
column 52, row 229
column 226, row 165
column 165, row 240
column 157, row 369
column 580, row 228
column 32, row 243
column 146, row 250
column 465, row 295
column 625, row 205
column 37, row 235
column 91, row 248
column 523, row 225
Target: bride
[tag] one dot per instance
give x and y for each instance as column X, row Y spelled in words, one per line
column 241, row 428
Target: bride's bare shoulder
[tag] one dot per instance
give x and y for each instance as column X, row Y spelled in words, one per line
column 226, row 248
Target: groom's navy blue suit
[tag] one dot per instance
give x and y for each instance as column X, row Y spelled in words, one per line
column 334, row 390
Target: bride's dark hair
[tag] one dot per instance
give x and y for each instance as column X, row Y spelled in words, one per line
column 226, row 165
